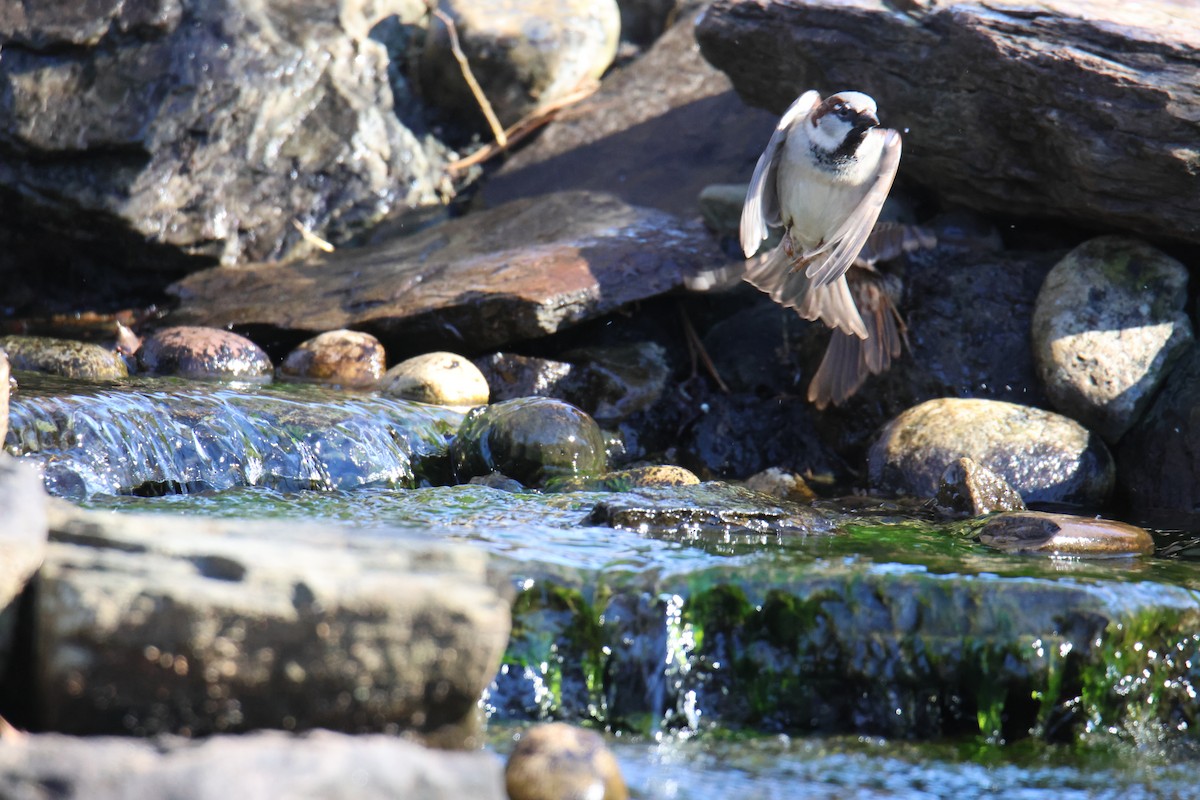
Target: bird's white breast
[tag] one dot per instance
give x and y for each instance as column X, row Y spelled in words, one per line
column 816, row 198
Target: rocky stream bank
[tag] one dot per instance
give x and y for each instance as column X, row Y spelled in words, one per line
column 325, row 424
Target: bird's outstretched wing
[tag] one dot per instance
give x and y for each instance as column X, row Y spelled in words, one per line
column 832, row 259
column 791, row 288
column 762, row 198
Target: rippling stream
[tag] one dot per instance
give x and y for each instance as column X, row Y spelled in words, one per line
column 723, row 660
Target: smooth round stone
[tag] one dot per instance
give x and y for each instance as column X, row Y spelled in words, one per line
column 444, row 379
column 190, row 351
column 1044, row 456
column 556, row 761
column 65, row 357
column 1108, row 325
column 532, row 440
column 1064, row 535
column 351, row 359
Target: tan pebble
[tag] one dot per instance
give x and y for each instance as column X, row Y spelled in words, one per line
column 351, row 359
column 445, row 379
column 557, row 761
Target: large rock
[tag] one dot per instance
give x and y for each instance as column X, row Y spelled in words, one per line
column 259, row 766
column 1077, row 109
column 658, row 131
column 1108, row 325
column 169, row 135
column 148, row 624
column 517, row 272
column 1046, row 457
column 22, row 540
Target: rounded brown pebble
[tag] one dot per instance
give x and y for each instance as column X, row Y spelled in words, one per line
column 351, row 359
column 197, row 352
column 557, row 761
column 1064, row 535
column 444, row 379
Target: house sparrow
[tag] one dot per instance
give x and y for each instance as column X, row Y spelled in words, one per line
column 824, row 176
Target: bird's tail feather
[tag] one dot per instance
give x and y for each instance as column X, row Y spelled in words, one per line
column 849, row 360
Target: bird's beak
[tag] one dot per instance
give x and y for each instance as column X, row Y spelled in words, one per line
column 865, row 121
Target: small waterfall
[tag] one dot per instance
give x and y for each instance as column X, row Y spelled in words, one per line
column 152, row 442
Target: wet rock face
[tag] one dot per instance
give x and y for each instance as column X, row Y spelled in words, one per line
column 1044, row 456
column 1108, row 326
column 525, row 55
column 521, row 271
column 68, row 358
column 202, row 129
column 189, row 351
column 531, row 440
column 1022, row 111
column 22, row 541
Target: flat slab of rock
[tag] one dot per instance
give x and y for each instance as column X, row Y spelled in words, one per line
column 259, row 766
column 1077, row 109
column 520, row 271
column 153, row 624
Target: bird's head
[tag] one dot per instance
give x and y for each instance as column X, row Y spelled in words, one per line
column 841, row 120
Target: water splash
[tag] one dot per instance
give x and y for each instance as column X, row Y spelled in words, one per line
column 158, row 441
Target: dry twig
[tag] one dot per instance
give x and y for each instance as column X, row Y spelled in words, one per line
column 469, row 76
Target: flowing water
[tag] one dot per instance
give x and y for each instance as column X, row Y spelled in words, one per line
column 635, row 629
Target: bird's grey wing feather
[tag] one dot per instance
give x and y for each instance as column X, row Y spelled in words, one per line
column 762, row 197
column 848, row 240
column 791, row 288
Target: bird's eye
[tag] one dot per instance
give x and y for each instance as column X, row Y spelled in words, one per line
column 843, row 111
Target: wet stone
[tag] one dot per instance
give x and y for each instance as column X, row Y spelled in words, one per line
column 556, row 761
column 1064, row 535
column 971, row 490
column 1044, row 456
column 207, row 353
column 531, row 440
column 70, row 359
column 444, row 379
column 707, row 508
column 780, row 483
column 351, row 359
